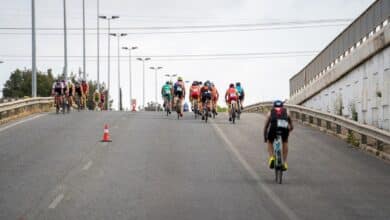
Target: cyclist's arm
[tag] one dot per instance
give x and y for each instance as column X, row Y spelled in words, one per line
column 267, row 122
column 217, row 94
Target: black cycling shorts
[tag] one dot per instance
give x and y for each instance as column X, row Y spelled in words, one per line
column 241, row 97
column 58, row 91
column 179, row 94
column 205, row 97
column 272, row 135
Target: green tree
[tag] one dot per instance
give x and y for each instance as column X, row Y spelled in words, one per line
column 19, row 84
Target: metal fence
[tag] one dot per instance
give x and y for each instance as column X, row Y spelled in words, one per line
column 367, row 22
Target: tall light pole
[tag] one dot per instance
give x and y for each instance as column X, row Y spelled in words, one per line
column 155, row 68
column 98, row 43
column 143, row 79
column 108, row 56
column 130, row 76
column 84, row 65
column 34, row 54
column 65, row 44
column 119, row 35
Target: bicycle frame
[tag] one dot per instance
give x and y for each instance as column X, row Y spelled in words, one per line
column 278, row 152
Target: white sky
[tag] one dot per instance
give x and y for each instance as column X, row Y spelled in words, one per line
column 262, row 78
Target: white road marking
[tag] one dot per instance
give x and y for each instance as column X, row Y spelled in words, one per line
column 20, row 122
column 88, row 165
column 283, row 207
column 56, row 201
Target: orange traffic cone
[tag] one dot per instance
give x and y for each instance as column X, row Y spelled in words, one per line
column 106, row 135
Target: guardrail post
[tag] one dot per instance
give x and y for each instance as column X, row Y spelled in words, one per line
column 328, row 125
column 379, row 145
column 319, row 122
column 303, row 117
column 363, row 139
column 338, row 129
column 311, row 119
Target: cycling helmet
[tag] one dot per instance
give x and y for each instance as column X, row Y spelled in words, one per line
column 179, row 78
column 200, row 83
column 207, row 83
column 231, row 85
column 278, row 104
column 167, row 83
column 194, row 83
column 238, row 84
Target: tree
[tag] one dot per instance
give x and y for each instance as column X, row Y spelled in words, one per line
column 19, row 84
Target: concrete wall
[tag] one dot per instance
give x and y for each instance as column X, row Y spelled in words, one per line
column 364, row 89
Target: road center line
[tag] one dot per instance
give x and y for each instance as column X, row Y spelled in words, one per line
column 283, row 207
column 56, row 201
column 20, row 122
column 87, row 165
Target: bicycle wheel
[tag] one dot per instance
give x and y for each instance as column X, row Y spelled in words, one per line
column 63, row 105
column 206, row 114
column 233, row 114
column 178, row 109
column 57, row 106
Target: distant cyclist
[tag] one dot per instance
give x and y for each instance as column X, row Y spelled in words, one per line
column 96, row 99
column 102, row 99
column 71, row 92
column 231, row 95
column 205, row 92
column 179, row 91
column 85, row 89
column 214, row 98
column 241, row 94
column 272, row 126
column 194, row 93
column 78, row 93
column 166, row 93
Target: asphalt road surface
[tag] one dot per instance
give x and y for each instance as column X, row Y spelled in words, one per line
column 55, row 167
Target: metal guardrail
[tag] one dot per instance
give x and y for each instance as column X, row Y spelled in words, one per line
column 356, row 133
column 361, row 27
column 25, row 106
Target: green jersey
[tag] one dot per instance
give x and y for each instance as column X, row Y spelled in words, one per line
column 166, row 90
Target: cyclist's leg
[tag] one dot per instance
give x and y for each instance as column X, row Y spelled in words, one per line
column 285, row 151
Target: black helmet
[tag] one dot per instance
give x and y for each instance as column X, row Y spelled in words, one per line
column 278, row 104
column 167, row 82
column 231, row 85
column 238, row 84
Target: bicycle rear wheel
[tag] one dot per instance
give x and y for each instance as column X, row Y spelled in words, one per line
column 233, row 114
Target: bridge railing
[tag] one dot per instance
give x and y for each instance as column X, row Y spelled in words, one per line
column 367, row 137
column 23, row 107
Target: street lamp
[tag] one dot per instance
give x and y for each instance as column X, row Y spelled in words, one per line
column 170, row 76
column 119, row 35
column 155, row 76
column 143, row 78
column 130, row 76
column 34, row 53
column 65, row 45
column 108, row 54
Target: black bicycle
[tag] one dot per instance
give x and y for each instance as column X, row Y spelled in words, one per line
column 233, row 111
column 238, row 109
column 278, row 158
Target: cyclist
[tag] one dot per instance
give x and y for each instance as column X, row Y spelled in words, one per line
column 166, row 93
column 78, row 93
column 272, row 126
column 102, row 99
column 71, row 92
column 85, row 89
column 179, row 91
column 96, row 99
column 231, row 95
column 194, row 93
column 241, row 94
column 214, row 98
column 205, row 96
column 57, row 90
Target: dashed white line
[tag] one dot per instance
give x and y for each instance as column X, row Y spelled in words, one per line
column 88, row 165
column 20, row 122
column 56, row 201
column 283, row 207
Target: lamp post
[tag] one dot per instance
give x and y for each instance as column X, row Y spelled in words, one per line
column 34, row 54
column 119, row 35
column 98, row 43
column 130, row 76
column 84, row 64
column 65, row 44
column 143, row 78
column 108, row 55
column 155, row 83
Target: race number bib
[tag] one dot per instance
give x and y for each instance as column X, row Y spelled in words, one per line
column 233, row 95
column 282, row 123
column 179, row 89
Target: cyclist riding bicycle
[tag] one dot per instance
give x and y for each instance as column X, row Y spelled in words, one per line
column 166, row 93
column 102, row 99
column 214, row 98
column 71, row 92
column 205, row 92
column 78, row 92
column 194, row 93
column 96, row 99
column 231, row 95
column 85, row 90
column 179, row 91
column 57, row 88
column 272, row 127
column 241, row 94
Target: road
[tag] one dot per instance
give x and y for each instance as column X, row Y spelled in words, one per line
column 54, row 167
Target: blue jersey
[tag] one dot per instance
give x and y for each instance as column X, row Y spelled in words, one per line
column 239, row 90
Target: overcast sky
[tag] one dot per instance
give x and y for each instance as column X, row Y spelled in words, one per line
column 264, row 78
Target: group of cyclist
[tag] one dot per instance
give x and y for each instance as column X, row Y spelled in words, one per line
column 201, row 95
column 69, row 92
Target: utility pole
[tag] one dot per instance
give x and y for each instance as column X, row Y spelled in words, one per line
column 84, row 65
column 65, row 45
column 34, row 54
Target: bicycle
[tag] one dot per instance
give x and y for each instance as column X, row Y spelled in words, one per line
column 233, row 111
column 195, row 108
column 206, row 110
column 278, row 158
column 58, row 102
column 166, row 105
column 178, row 108
column 78, row 102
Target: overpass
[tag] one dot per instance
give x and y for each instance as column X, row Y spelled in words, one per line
column 55, row 167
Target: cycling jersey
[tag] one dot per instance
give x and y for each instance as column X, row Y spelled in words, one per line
column 240, row 92
column 166, row 90
column 206, row 93
column 84, row 86
column 278, row 124
column 231, row 95
column 58, row 88
column 179, row 89
column 194, row 92
column 78, row 90
column 96, row 96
